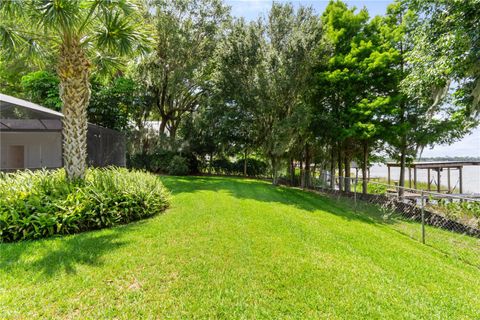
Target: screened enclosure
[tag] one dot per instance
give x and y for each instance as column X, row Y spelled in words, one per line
column 30, row 137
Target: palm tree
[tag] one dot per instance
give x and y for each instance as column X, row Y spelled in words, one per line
column 81, row 36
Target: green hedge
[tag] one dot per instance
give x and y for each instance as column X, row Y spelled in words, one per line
column 164, row 161
column 40, row 204
column 255, row 167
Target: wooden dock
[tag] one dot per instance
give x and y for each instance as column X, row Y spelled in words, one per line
column 438, row 167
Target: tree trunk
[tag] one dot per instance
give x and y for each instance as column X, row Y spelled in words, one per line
column 210, row 164
column 302, row 174
column 274, row 170
column 364, row 168
column 292, row 172
column 173, row 135
column 340, row 168
column 314, row 175
column 403, row 150
column 74, row 73
column 245, row 163
column 163, row 126
column 403, row 155
column 332, row 168
column 347, row 173
column 307, row 166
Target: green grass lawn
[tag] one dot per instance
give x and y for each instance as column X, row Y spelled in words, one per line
column 231, row 248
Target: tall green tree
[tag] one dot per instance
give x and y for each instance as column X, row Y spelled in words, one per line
column 177, row 70
column 340, row 82
column 81, row 35
column 291, row 37
column 239, row 57
column 446, row 52
column 418, row 119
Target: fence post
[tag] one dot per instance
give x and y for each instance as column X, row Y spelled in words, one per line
column 355, row 194
column 423, row 218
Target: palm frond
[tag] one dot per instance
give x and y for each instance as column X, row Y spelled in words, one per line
column 61, row 15
column 14, row 43
column 10, row 39
column 11, row 8
column 117, row 34
column 106, row 65
column 103, row 8
column 124, row 6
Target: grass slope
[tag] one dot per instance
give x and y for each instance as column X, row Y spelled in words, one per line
column 239, row 249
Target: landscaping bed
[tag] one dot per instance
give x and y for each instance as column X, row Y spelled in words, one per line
column 40, row 204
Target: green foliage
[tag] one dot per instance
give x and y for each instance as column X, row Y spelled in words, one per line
column 40, row 204
column 175, row 74
column 222, row 166
column 35, row 29
column 11, row 73
column 112, row 105
column 157, row 161
column 42, row 87
column 255, row 167
column 178, row 166
column 164, row 161
column 459, row 210
column 446, row 52
column 294, row 85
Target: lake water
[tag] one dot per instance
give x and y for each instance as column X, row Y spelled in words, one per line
column 471, row 177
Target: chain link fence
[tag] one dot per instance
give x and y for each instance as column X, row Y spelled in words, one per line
column 447, row 222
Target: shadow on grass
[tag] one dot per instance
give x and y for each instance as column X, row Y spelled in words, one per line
column 265, row 192
column 52, row 256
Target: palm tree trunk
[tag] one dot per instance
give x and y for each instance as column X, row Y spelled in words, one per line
column 74, row 73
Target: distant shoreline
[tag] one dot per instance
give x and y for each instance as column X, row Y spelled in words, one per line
column 428, row 159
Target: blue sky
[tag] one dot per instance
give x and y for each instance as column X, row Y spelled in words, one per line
column 252, row 9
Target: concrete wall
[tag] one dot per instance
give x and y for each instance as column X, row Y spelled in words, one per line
column 41, row 149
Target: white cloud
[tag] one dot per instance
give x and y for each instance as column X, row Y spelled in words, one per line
column 468, row 146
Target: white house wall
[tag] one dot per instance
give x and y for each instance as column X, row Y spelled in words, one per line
column 42, row 149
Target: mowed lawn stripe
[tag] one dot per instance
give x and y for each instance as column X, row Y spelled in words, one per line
column 233, row 248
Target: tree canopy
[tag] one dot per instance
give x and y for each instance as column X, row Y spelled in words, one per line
column 300, row 90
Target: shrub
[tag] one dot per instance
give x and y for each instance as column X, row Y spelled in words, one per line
column 157, row 162
column 222, row 166
column 178, row 166
column 41, row 204
column 137, row 161
column 255, row 167
column 193, row 163
column 161, row 160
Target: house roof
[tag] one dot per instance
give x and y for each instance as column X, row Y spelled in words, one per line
column 18, row 115
column 21, row 115
column 7, row 102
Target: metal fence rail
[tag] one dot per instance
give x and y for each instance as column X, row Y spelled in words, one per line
column 417, row 213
